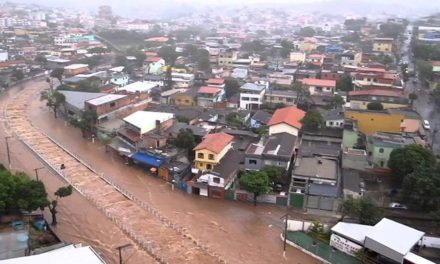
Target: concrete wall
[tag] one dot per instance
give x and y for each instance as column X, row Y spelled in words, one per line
column 282, row 127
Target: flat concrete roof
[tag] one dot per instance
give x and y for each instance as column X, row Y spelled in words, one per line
column 105, row 99
column 316, row 167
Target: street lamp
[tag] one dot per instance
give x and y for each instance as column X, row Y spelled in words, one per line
column 36, row 172
column 286, row 217
column 120, row 251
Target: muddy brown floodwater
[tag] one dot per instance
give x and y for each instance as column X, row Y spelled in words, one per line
column 160, row 224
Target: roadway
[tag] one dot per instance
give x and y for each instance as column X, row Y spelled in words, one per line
column 238, row 232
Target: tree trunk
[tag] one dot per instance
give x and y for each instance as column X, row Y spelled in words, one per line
column 255, row 199
column 53, row 211
column 55, row 111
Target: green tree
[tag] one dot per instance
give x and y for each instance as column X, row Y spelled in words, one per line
column 186, row 140
column 412, row 97
column 376, row 106
column 120, row 60
column 435, row 215
column 274, row 173
column 313, row 120
column 406, row 160
column 337, row 101
column 306, row 32
column 355, row 24
column 421, row 188
column 92, row 61
column 60, row 193
column 435, row 95
column 234, row 120
column 169, row 54
column 140, row 56
column 57, row 73
column 425, row 70
column 40, row 59
column 98, row 50
column 232, row 87
column 345, row 83
column 203, row 62
column 17, row 74
column 256, row 182
column 53, row 100
column 365, row 209
column 303, row 95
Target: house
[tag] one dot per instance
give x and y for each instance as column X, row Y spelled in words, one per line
column 286, row 97
column 315, row 59
column 349, row 57
column 370, row 122
column 75, row 102
column 325, row 142
column 227, row 57
column 3, row 55
column 144, row 129
column 252, row 95
column 308, row 45
column 277, row 150
column 182, row 80
column 107, row 106
column 287, row 120
column 260, row 118
column 215, row 183
column 353, row 185
column 187, row 98
column 216, row 82
column 75, row 69
column 388, row 98
column 208, row 96
column 137, row 88
column 297, row 57
column 380, row 145
column 120, row 79
column 384, row 45
column 280, row 79
column 380, row 239
column 240, row 73
column 154, row 65
column 315, row 181
column 334, row 118
column 56, row 62
column 211, row 150
column 318, row 86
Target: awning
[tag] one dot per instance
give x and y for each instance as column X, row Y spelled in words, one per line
column 147, row 159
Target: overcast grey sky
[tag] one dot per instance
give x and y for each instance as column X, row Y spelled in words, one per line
column 148, row 8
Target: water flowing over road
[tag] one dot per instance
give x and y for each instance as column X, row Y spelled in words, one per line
column 170, row 226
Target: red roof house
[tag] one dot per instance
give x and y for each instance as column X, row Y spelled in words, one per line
column 287, row 120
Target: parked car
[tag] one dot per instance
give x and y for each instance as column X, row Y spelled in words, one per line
column 426, row 125
column 398, row 206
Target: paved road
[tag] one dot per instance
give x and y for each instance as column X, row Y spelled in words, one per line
column 238, row 231
column 428, row 110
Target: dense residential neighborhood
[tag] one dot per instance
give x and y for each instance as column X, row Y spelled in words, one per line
column 328, row 121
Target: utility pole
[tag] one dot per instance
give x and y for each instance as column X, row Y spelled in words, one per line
column 286, row 220
column 36, row 172
column 7, row 150
column 120, row 251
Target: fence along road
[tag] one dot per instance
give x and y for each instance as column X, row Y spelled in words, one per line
column 163, row 239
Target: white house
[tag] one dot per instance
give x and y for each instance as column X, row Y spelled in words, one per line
column 119, row 79
column 239, row 73
column 3, row 55
column 319, row 86
column 210, row 180
column 252, row 95
column 182, row 80
column 138, row 87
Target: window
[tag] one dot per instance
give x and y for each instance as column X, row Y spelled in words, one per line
column 211, row 156
column 216, row 180
column 200, row 156
column 252, row 161
column 381, row 150
column 381, row 163
column 331, row 123
column 245, row 98
column 208, row 166
column 187, row 101
column 112, row 104
column 289, row 100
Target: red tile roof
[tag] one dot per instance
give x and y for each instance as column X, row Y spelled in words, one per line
column 157, row 39
column 319, row 82
column 377, row 92
column 289, row 115
column 152, row 59
column 208, row 90
column 215, row 142
column 216, row 81
column 366, row 69
column 435, row 63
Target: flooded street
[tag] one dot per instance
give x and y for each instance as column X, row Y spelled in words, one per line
column 174, row 226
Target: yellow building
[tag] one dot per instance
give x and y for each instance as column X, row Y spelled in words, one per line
column 370, row 122
column 211, row 150
column 383, row 45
